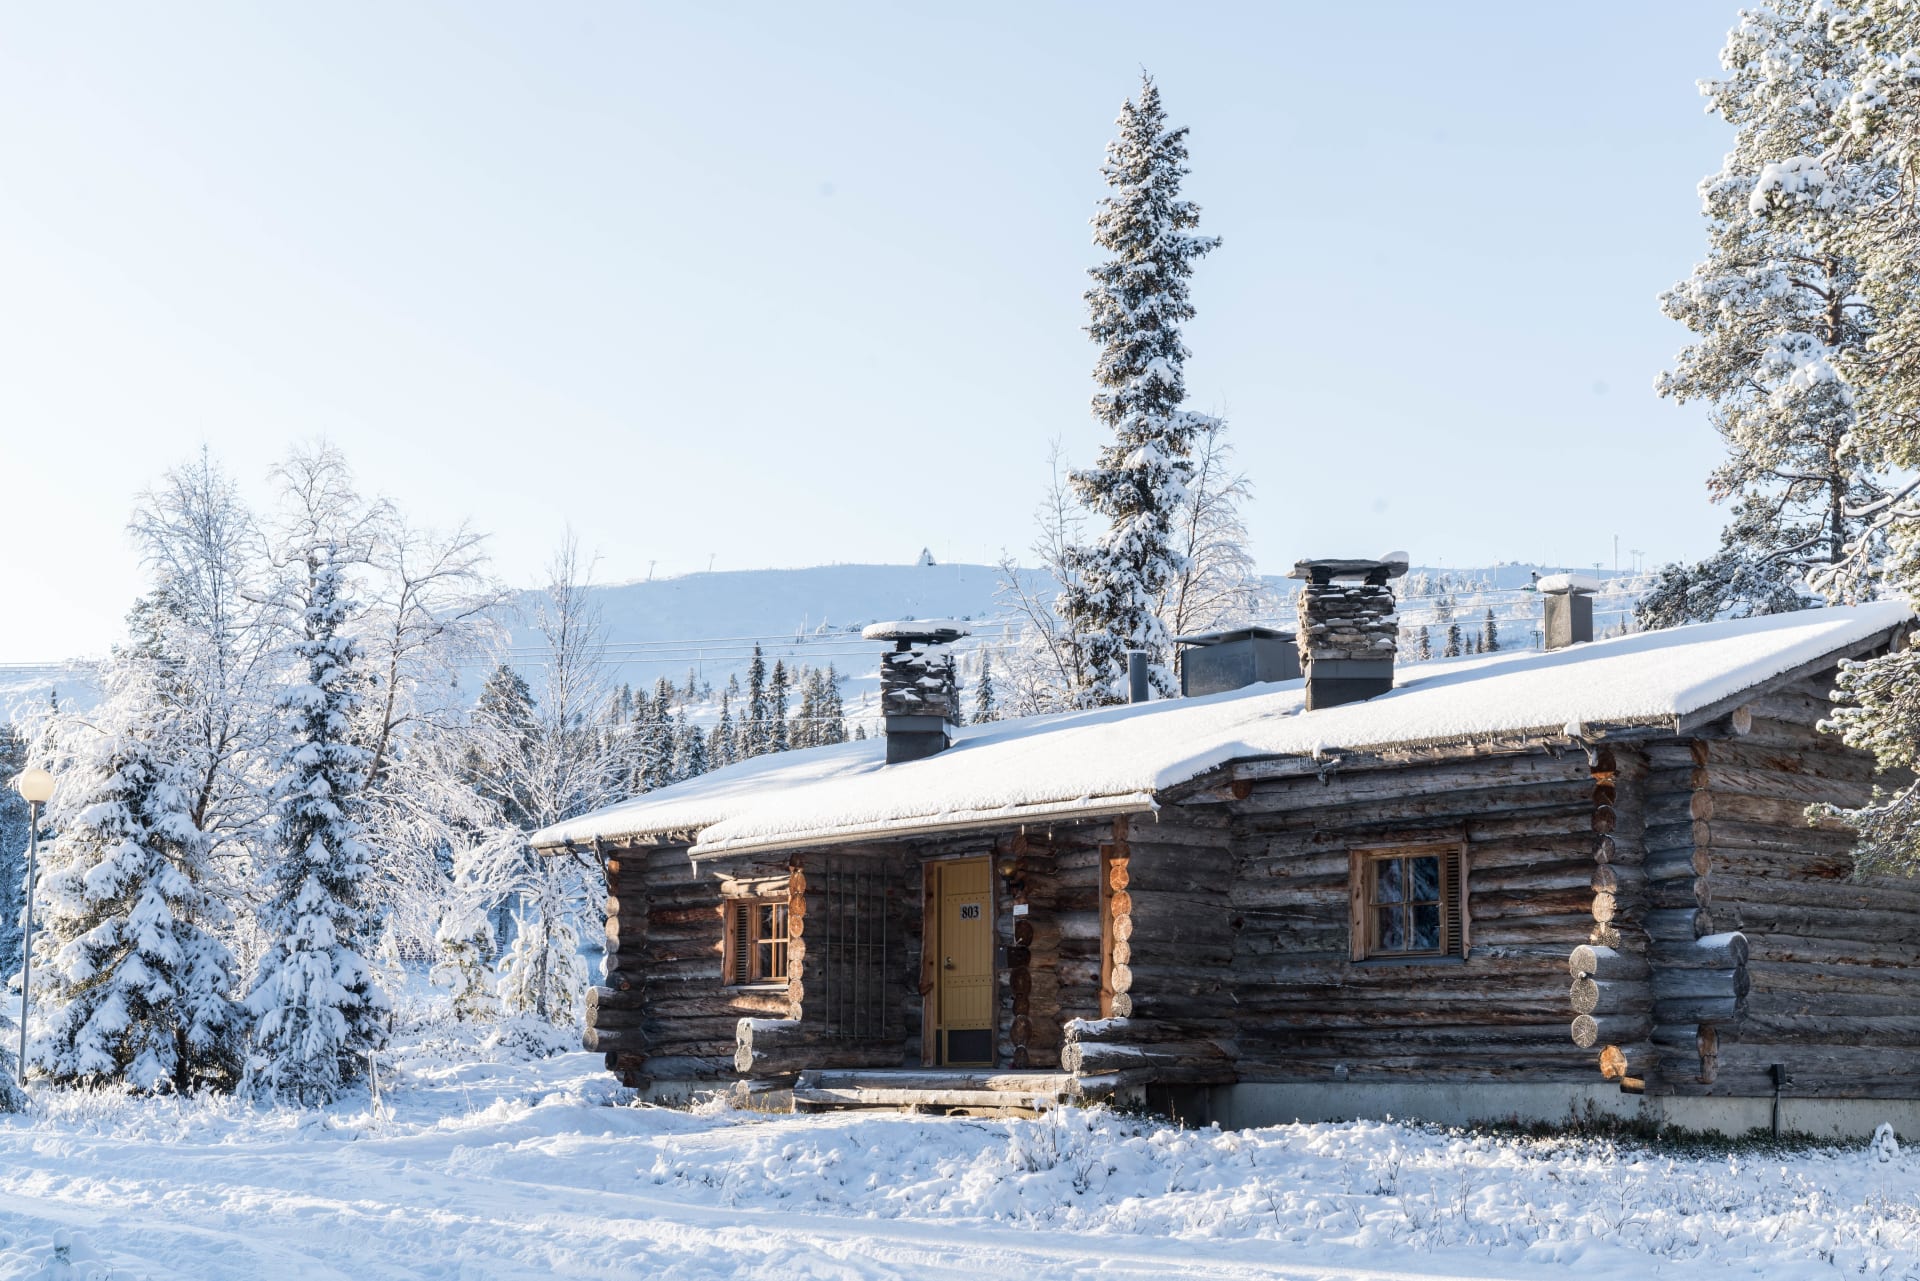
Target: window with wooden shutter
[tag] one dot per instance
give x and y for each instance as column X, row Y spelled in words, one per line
column 756, row 941
column 1409, row 901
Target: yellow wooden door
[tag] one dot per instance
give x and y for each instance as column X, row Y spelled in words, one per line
column 964, row 990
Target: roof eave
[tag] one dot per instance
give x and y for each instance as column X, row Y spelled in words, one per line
column 1692, row 722
column 934, row 825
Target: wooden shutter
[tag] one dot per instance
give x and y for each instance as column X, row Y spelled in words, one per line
column 739, row 953
column 1453, row 900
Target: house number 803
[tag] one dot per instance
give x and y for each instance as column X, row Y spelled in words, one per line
column 969, row 911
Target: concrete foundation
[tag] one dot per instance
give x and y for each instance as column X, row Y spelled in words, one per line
column 1248, row 1104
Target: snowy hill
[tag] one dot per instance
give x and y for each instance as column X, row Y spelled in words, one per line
column 708, row 623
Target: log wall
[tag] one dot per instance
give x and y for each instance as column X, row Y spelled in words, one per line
column 663, row 1011
column 1305, row 1011
column 1833, row 961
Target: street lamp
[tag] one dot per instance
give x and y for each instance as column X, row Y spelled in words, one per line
column 36, row 789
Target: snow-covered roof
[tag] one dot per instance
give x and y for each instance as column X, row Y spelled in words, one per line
column 1116, row 760
column 1569, row 583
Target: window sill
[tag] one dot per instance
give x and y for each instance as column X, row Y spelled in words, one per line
column 780, row 986
column 1411, row 960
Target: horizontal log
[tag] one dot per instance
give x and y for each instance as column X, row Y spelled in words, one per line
column 1588, row 1031
column 1608, row 996
column 1672, row 985
column 1699, row 1009
column 1096, row 1058
column 1678, row 923
column 1605, row 963
column 689, row 1067
column 609, row 1040
column 1673, row 865
column 1713, row 952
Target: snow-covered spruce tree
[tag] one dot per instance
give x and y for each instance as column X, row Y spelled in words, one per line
column 1778, row 314
column 317, row 1007
column 465, row 939
column 1136, row 307
column 983, row 704
column 14, row 819
column 777, row 689
column 1490, row 633
column 756, row 732
column 137, row 988
column 1453, row 642
column 1424, row 650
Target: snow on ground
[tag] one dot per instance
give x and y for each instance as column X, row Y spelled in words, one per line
column 490, row 1164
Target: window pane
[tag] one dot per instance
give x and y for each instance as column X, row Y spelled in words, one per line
column 1426, row 928
column 1389, row 929
column 1386, row 885
column 1426, row 880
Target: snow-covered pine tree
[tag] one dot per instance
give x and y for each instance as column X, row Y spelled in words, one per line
column 1453, row 642
column 805, row 731
column 14, row 819
column 723, row 738
column 1425, row 650
column 1136, row 306
column 756, row 732
column 1879, row 699
column 137, row 987
column 833, row 711
column 983, row 708
column 860, row 732
column 1779, row 316
column 777, row 728
column 543, row 973
column 465, row 939
column 690, row 749
column 315, row 1002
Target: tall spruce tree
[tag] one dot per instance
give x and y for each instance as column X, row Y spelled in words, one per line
column 833, row 710
column 138, row 986
column 14, row 820
column 777, row 688
column 1490, row 633
column 1136, row 306
column 757, row 732
column 1779, row 314
column 983, row 706
column 317, row 1007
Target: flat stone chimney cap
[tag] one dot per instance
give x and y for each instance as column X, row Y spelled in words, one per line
column 1569, row 583
column 1393, row 565
column 929, row 631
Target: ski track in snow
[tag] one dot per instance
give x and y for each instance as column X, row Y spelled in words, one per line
column 507, row 1170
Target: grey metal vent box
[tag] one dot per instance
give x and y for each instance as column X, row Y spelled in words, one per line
column 1215, row 662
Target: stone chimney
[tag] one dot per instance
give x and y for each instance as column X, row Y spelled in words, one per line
column 1569, row 600
column 919, row 697
column 1349, row 628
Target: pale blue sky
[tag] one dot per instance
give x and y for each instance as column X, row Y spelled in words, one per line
column 789, row 284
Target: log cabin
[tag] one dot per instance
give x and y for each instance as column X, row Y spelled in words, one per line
column 1517, row 885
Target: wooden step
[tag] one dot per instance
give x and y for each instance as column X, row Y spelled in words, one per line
column 1021, row 1091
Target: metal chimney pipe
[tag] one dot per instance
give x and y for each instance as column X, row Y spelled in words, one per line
column 1137, row 689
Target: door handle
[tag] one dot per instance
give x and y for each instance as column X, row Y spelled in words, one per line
column 949, row 964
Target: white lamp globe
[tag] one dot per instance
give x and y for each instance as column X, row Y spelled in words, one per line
column 34, row 785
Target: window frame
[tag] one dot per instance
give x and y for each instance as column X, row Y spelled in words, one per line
column 748, row 909
column 1455, row 917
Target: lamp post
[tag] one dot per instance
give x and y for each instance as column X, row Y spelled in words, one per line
column 36, row 789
